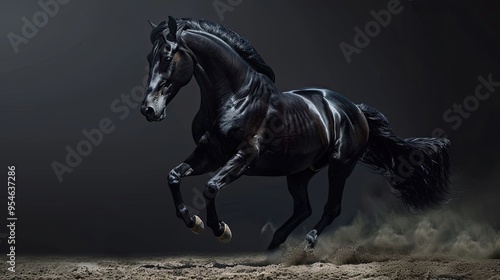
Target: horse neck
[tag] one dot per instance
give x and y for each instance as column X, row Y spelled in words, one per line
column 208, row 106
column 221, row 73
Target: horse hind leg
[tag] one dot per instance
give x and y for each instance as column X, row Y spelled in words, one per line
column 337, row 176
column 297, row 186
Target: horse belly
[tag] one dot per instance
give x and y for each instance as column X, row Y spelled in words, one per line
column 287, row 155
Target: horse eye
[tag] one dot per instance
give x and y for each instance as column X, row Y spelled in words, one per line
column 166, row 49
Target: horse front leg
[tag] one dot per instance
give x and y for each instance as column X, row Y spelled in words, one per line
column 196, row 164
column 232, row 170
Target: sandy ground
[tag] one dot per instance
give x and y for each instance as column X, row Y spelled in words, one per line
column 291, row 265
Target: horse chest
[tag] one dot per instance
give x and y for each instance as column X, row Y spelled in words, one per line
column 218, row 146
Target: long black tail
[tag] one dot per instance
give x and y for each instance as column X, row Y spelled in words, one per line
column 416, row 168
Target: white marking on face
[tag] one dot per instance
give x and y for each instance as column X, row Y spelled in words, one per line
column 156, row 78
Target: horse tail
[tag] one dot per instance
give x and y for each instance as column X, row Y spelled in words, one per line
column 417, row 168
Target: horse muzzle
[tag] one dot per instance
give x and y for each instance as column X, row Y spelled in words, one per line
column 154, row 107
column 153, row 115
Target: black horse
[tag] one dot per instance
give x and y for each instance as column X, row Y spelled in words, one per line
column 246, row 127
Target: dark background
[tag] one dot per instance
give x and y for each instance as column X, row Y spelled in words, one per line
column 117, row 200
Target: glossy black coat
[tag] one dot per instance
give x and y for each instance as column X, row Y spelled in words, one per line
column 245, row 126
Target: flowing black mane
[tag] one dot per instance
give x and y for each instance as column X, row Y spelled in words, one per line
column 241, row 45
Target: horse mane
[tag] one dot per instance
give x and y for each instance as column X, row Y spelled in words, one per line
column 241, row 45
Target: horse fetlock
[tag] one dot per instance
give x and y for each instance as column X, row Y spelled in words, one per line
column 183, row 213
column 215, row 225
column 178, row 214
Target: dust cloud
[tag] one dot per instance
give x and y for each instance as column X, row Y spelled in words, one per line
column 466, row 228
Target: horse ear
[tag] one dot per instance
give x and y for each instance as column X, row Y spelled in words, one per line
column 172, row 27
column 152, row 24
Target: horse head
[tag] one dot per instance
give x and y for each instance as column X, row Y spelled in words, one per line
column 171, row 67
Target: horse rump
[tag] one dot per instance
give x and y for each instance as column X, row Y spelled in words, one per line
column 417, row 169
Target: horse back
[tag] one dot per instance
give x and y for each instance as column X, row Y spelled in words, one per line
column 346, row 125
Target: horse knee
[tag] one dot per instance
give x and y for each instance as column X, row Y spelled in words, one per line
column 173, row 177
column 211, row 190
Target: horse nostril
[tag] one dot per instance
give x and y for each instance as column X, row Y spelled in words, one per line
column 148, row 111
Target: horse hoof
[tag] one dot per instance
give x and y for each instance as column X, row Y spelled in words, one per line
column 226, row 235
column 311, row 238
column 198, row 225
